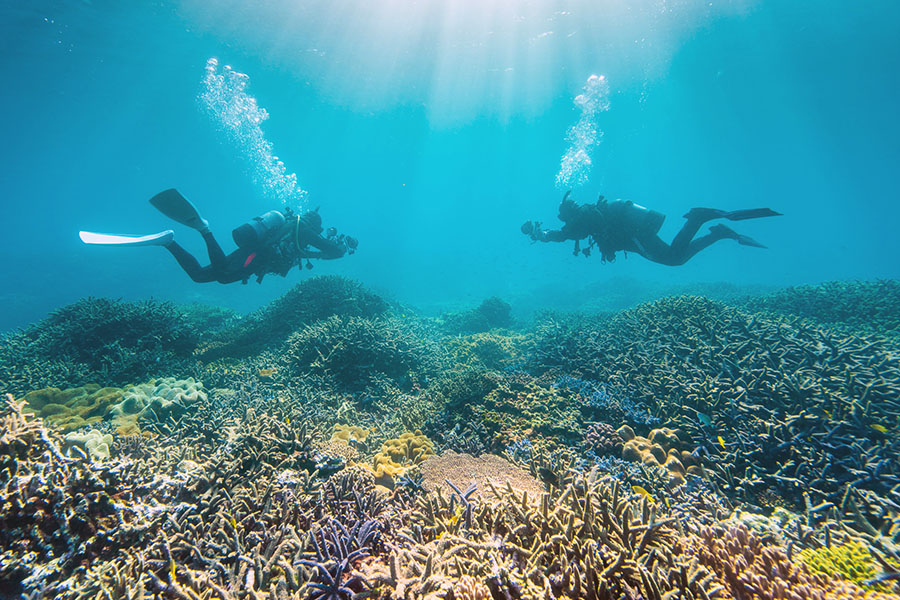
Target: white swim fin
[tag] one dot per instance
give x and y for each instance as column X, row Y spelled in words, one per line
column 163, row 238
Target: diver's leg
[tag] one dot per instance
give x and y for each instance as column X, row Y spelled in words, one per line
column 696, row 217
column 652, row 247
column 190, row 265
column 216, row 255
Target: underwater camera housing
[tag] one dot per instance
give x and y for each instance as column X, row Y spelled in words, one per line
column 258, row 229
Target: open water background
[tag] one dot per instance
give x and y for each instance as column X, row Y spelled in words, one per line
column 431, row 130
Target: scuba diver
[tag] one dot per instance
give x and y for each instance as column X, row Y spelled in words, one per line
column 624, row 225
column 271, row 243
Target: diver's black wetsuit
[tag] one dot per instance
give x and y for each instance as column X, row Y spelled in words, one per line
column 623, row 225
column 278, row 255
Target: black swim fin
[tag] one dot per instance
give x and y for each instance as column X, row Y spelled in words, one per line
column 729, row 233
column 178, row 208
column 750, row 213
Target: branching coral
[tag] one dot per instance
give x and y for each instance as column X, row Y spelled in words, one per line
column 355, row 352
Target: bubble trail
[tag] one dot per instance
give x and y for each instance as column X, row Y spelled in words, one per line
column 239, row 117
column 584, row 136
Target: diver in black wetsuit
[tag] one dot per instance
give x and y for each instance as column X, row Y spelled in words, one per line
column 271, row 243
column 624, row 225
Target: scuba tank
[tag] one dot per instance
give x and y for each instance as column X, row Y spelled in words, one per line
column 258, row 230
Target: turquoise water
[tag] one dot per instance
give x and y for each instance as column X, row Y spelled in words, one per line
column 430, row 131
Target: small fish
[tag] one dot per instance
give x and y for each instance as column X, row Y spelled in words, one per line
column 704, row 419
column 233, row 522
column 879, row 428
column 639, row 490
column 721, row 442
column 827, row 413
column 172, row 570
column 287, row 420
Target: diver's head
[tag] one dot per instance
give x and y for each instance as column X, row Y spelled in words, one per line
column 567, row 210
column 312, row 220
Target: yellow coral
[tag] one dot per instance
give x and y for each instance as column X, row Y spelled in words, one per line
column 73, row 408
column 345, row 433
column 489, row 349
column 660, row 448
column 851, row 560
column 399, row 454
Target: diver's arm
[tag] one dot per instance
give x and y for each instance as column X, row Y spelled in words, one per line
column 534, row 231
column 328, row 249
column 552, row 235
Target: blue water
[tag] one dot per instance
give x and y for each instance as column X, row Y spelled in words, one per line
column 431, row 130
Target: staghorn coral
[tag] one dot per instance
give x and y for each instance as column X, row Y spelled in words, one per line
column 796, row 406
column 98, row 339
column 859, row 305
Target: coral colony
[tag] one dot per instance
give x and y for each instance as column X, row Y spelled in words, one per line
column 334, row 446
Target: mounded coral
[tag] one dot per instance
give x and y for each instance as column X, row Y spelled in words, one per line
column 348, row 433
column 312, row 300
column 94, row 444
column 355, row 353
column 160, row 397
column 399, row 454
column 493, row 313
column 73, row 408
column 489, row 350
column 662, row 448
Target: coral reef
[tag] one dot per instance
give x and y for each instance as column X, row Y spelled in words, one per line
column 398, row 455
column 312, row 300
column 98, row 339
column 684, row 449
column 488, row 350
column 493, row 313
column 73, row 408
column 866, row 305
column 355, row 353
column 464, row 470
column 760, row 396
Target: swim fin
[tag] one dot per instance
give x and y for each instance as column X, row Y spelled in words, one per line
column 163, row 238
column 178, row 208
column 729, row 233
column 708, row 214
column 750, row 213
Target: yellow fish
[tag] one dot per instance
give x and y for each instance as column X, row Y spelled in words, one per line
column 639, row 490
column 287, row 420
column 880, row 428
column 233, row 522
column 172, row 569
column 721, row 442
